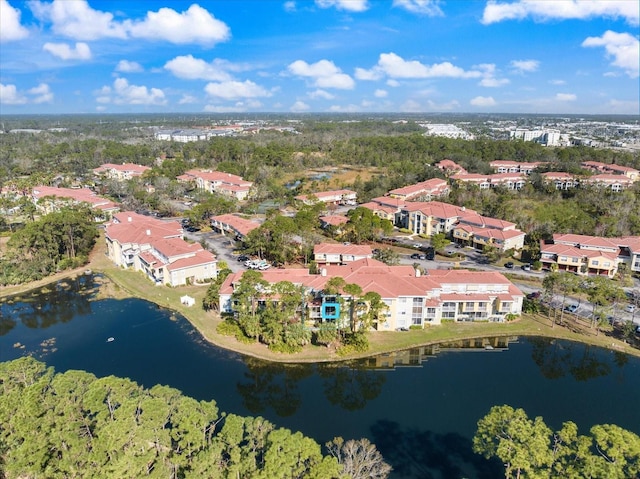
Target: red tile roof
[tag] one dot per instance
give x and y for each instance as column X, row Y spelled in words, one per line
column 342, row 249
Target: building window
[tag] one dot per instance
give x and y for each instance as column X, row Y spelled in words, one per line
column 416, row 311
column 595, row 262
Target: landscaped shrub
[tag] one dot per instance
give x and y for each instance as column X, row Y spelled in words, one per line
column 228, row 328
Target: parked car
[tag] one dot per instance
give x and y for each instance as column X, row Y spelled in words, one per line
column 509, row 265
column 571, row 308
column 526, row 267
column 243, row 257
column 630, row 308
column 415, row 256
column 534, row 295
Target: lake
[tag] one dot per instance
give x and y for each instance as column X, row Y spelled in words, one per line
column 420, row 406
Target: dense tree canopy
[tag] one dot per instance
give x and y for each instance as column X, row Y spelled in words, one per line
column 53, row 242
column 74, row 425
column 528, row 448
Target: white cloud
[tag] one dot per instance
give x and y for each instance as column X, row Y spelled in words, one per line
column 299, row 106
column 126, row 66
column 448, row 106
column 393, row 83
column 9, row 95
column 394, row 66
column 483, row 101
column 230, row 90
column 565, row 97
column 191, row 68
column 349, row 5
column 544, row 10
column 42, row 94
column 325, row 95
column 522, row 66
column 195, row 25
column 187, row 100
column 289, row 6
column 324, row 74
column 362, row 74
column 557, row 82
column 78, row 20
column 63, row 51
column 622, row 47
column 123, row 93
column 10, row 27
column 491, row 82
column 380, row 93
column 424, row 7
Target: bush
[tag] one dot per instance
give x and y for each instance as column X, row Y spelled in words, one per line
column 415, row 327
column 354, row 343
column 229, row 327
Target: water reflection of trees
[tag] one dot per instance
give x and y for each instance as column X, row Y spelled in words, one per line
column 50, row 305
column 557, row 358
column 275, row 385
column 350, row 387
column 428, row 455
column 272, row 385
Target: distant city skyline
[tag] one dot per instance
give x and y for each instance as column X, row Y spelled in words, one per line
column 320, row 56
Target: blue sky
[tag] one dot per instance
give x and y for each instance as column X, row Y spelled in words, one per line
column 502, row 56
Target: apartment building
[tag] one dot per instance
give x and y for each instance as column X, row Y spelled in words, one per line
column 338, row 253
column 506, row 166
column 219, row 182
column 412, row 299
column 156, row 248
column 430, row 218
column 233, row 225
column 480, row 231
column 49, row 199
column 125, row 171
column 333, row 197
column 423, row 191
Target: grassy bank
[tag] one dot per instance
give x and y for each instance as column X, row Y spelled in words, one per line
column 126, row 283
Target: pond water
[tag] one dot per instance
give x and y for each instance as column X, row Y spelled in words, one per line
column 420, row 407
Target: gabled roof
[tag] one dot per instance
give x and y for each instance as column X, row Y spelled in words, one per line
column 342, row 249
column 241, row 225
column 334, row 220
column 388, row 281
column 320, row 195
column 130, row 227
column 438, row 209
column 434, row 185
column 474, row 219
column 199, row 258
column 76, row 194
column 585, row 240
column 216, row 177
column 125, row 167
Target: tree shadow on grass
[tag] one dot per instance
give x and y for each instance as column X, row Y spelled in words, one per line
column 416, row 454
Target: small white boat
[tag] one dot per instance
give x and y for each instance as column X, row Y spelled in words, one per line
column 110, row 339
column 488, row 347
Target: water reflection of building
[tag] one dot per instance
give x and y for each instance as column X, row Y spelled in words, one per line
column 416, row 356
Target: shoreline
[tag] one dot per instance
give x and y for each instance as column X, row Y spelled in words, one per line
column 122, row 284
